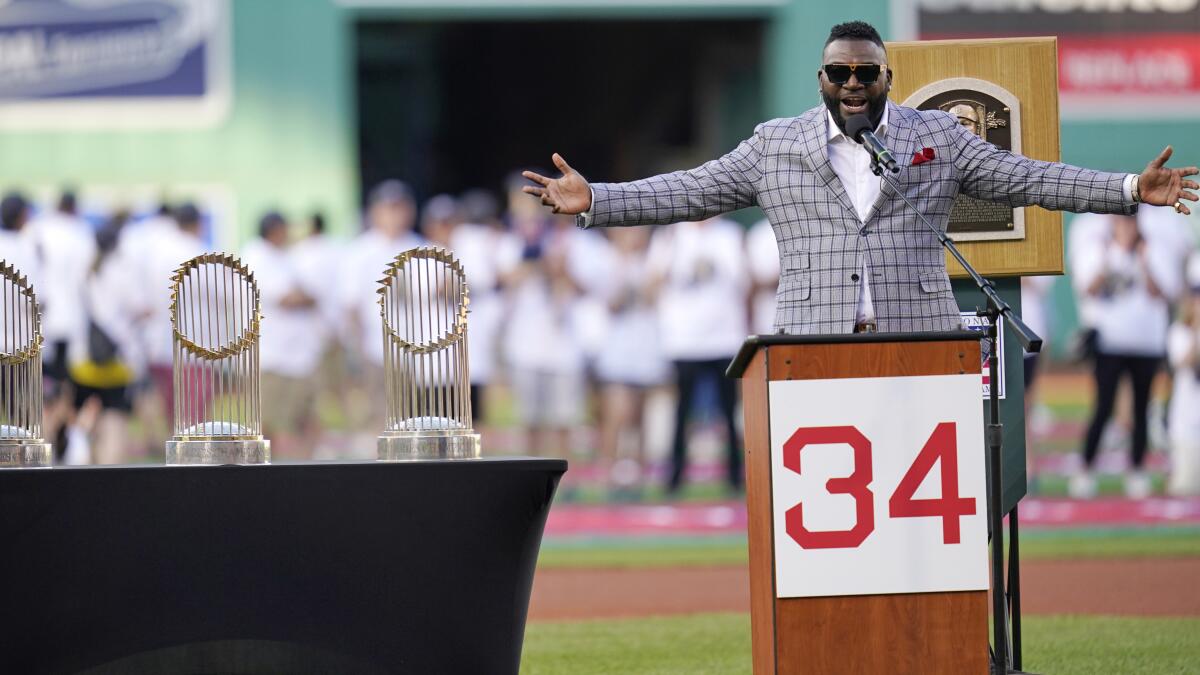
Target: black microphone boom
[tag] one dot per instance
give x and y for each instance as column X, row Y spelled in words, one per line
column 858, row 127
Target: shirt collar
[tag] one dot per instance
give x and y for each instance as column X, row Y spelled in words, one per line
column 835, row 134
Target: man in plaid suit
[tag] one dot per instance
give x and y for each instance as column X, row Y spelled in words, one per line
column 853, row 256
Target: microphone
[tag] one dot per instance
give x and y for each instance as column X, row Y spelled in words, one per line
column 858, row 127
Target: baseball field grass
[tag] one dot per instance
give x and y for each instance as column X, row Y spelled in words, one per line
column 701, row 644
column 1046, row 544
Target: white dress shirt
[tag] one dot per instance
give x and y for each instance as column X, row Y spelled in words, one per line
column 852, row 164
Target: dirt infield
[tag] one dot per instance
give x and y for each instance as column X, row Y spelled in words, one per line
column 1131, row 587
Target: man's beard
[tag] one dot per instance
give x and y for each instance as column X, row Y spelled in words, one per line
column 875, row 108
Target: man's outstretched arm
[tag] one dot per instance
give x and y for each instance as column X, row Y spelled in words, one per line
column 998, row 175
column 725, row 184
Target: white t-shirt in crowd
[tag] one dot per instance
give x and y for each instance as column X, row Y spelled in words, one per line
column 632, row 352
column 1035, row 304
column 317, row 261
column 1171, row 237
column 1128, row 319
column 17, row 249
column 1185, row 395
column 163, row 252
column 66, row 245
column 701, row 305
column 113, row 299
column 367, row 256
column 486, row 254
column 291, row 342
column 1086, row 238
column 762, row 253
column 542, row 334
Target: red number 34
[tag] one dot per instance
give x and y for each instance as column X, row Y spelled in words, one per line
column 942, row 445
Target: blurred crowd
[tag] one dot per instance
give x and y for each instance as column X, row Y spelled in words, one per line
column 578, row 327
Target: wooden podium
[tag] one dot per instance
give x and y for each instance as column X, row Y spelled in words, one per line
column 845, row 625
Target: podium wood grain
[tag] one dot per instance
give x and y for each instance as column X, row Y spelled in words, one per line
column 916, row 633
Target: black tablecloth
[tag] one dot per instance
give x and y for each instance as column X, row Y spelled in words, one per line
column 368, row 567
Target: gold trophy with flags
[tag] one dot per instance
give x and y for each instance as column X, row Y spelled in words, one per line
column 21, row 443
column 423, row 303
column 215, row 318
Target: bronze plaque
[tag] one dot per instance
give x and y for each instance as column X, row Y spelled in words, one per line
column 991, row 113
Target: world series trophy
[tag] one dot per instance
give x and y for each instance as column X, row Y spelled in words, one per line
column 21, row 443
column 423, row 302
column 215, row 319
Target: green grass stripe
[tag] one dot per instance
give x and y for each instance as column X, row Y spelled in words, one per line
column 700, row 644
column 689, row 551
column 696, row 644
column 1125, row 542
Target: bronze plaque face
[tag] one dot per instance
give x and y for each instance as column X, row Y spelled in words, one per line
column 982, row 111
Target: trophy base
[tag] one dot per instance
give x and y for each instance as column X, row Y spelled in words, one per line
column 400, row 446
column 26, row 454
column 196, row 451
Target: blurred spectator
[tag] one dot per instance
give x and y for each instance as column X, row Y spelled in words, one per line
column 291, row 346
column 170, row 244
column 16, row 244
column 1035, row 298
column 438, row 219
column 106, row 358
column 1126, row 284
column 1183, row 352
column 317, row 259
column 1086, row 238
column 66, row 246
column 700, row 271
column 487, row 253
column 762, row 254
column 391, row 214
column 541, row 346
column 631, row 362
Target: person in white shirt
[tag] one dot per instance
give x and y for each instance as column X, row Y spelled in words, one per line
column 1183, row 354
column 105, row 360
column 318, row 262
column 701, row 279
column 762, row 252
column 390, row 216
column 631, row 363
column 16, row 244
column 542, row 351
column 1132, row 311
column 291, row 342
column 66, row 245
column 487, row 253
column 161, row 253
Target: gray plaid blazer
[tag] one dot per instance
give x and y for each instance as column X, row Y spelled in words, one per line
column 784, row 168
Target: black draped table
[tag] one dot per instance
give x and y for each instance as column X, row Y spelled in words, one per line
column 362, row 567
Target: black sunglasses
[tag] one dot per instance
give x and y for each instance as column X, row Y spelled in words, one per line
column 839, row 73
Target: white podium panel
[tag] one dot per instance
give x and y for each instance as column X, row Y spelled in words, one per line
column 878, row 485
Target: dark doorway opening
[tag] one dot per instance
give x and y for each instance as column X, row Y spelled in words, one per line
column 452, row 106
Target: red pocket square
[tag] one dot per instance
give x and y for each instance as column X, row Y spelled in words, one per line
column 925, row 155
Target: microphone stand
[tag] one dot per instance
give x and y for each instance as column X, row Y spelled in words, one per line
column 994, row 438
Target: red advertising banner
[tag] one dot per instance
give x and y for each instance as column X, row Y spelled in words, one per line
column 1159, row 64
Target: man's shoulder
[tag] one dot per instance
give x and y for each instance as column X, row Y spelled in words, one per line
column 788, row 124
column 913, row 117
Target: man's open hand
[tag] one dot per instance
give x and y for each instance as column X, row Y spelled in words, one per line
column 1167, row 187
column 569, row 194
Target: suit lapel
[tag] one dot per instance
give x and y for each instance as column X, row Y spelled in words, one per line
column 901, row 138
column 813, row 139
